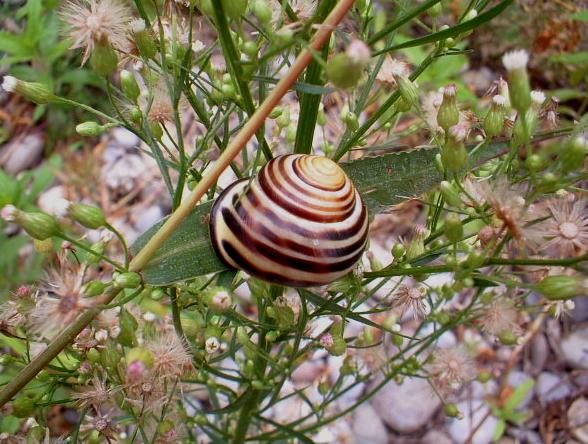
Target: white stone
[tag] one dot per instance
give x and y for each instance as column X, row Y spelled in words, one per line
column 550, row 387
column 368, row 427
column 146, row 218
column 575, row 349
column 125, row 138
column 473, row 413
column 407, row 407
column 21, row 152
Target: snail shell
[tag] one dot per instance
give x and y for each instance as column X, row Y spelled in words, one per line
column 300, row 222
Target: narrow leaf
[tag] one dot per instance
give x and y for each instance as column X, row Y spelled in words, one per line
column 452, row 32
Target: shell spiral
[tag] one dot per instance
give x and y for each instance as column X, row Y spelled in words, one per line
column 300, row 222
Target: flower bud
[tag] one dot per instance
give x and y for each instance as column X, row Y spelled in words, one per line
column 104, row 60
column 454, row 155
column 494, row 120
column 33, row 91
column 508, row 338
column 94, row 288
column 351, row 121
column 127, row 280
column 416, row 247
column 398, row 251
column 448, row 114
column 450, row 193
column 129, row 85
column 408, row 90
column 143, row 38
column 561, row 287
column 38, row 225
column 453, row 228
column 262, row 11
column 451, row 411
column 90, row 129
column 89, row 216
column 218, row 299
column 515, row 63
column 345, row 69
column 573, row 155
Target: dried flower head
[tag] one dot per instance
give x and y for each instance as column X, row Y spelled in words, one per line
column 10, row 318
column 391, row 70
column 500, row 317
column 96, row 395
column 411, row 299
column 517, row 59
column 61, row 300
column 90, row 22
column 170, row 356
column 505, row 199
column 565, row 232
column 451, row 367
column 103, row 424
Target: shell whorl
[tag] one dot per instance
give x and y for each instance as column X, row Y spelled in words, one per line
column 300, row 222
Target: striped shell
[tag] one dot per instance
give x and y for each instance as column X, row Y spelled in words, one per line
column 300, row 222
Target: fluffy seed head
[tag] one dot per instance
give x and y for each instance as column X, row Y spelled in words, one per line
column 451, row 367
column 517, row 59
column 90, row 22
column 137, row 25
column 170, row 357
column 413, row 300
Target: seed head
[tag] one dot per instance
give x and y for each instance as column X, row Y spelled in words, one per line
column 538, row 97
column 91, row 22
column 500, row 317
column 451, row 367
column 411, row 299
column 170, row 356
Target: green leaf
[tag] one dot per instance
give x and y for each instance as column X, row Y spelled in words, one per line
column 500, row 429
column 582, row 15
column 186, row 254
column 382, row 181
column 576, row 58
column 454, row 31
column 519, row 395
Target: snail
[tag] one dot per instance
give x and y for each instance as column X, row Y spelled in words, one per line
column 300, row 222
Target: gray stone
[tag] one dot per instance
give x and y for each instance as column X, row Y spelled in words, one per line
column 125, row 138
column 550, row 387
column 580, row 311
column 578, row 419
column 407, row 407
column 539, row 352
column 21, row 152
column 368, row 427
column 574, row 348
column 147, row 217
column 436, row 437
column 474, row 412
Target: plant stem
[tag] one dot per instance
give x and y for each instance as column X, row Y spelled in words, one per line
column 208, row 180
